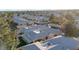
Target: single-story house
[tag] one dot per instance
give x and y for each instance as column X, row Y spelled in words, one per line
column 76, row 18
column 36, row 18
column 38, row 33
column 63, row 43
column 60, row 43
column 29, row 47
column 21, row 21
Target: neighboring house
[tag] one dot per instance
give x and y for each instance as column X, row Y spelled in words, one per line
column 36, row 18
column 21, row 21
column 29, row 47
column 63, row 43
column 42, row 19
column 59, row 43
column 55, row 26
column 77, row 21
column 39, row 32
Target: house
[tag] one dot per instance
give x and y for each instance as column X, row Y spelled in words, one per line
column 21, row 21
column 57, row 43
column 39, row 32
column 29, row 47
column 36, row 18
column 77, row 21
column 42, row 19
column 63, row 43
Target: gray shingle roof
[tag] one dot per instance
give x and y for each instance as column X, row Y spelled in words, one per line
column 20, row 20
column 30, row 36
column 59, row 47
column 61, row 43
column 30, row 47
column 64, row 43
column 76, row 18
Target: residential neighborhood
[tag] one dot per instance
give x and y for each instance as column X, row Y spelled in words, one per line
column 40, row 30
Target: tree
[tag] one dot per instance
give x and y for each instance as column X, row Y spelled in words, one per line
column 53, row 19
column 70, row 30
column 6, row 34
column 67, row 24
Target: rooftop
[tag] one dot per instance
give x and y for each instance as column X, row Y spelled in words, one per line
column 20, row 20
column 65, row 42
column 29, row 47
column 76, row 17
column 37, row 32
column 59, row 43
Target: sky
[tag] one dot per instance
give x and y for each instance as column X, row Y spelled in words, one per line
column 38, row 4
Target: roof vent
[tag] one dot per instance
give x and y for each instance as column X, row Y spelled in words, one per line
column 36, row 31
column 58, row 36
column 26, row 27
